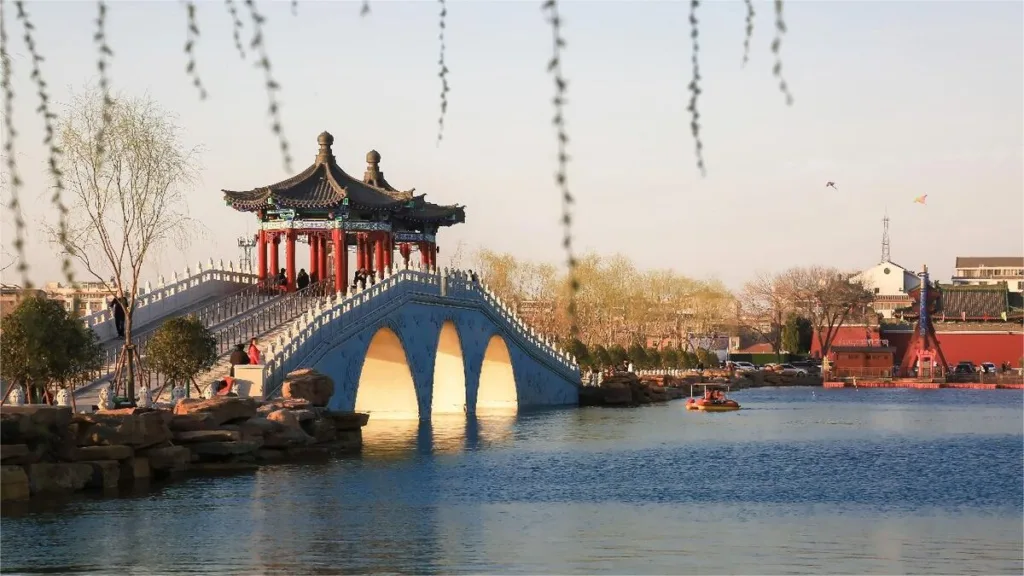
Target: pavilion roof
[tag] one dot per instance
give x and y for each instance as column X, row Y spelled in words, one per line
column 324, row 185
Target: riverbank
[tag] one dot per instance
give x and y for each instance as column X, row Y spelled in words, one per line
column 626, row 389
column 898, row 383
column 48, row 450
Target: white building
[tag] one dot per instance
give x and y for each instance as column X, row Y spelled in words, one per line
column 891, row 284
column 81, row 299
column 990, row 270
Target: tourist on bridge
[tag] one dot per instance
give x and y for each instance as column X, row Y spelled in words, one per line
column 282, row 278
column 118, row 307
column 238, row 358
column 254, row 352
column 302, row 280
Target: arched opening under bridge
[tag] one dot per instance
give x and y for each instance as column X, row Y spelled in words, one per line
column 497, row 393
column 449, row 394
column 386, row 389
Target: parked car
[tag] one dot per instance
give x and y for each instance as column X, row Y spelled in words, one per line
column 791, row 370
column 965, row 367
column 744, row 367
column 989, row 368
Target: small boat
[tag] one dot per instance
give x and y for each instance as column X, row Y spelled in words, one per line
column 713, row 400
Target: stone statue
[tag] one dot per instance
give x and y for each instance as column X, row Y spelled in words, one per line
column 63, row 397
column 210, row 392
column 179, row 392
column 17, row 396
column 145, row 399
column 106, row 401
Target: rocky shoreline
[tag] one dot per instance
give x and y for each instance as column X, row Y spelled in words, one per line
column 48, row 450
column 625, row 389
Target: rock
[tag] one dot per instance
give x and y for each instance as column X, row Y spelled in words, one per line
column 47, row 477
column 223, row 408
column 284, row 417
column 304, row 415
column 192, row 422
column 13, row 428
column 172, row 458
column 287, row 437
column 348, row 440
column 53, row 417
column 307, row 384
column 136, row 430
column 344, row 421
column 134, row 469
column 321, row 430
column 105, row 474
column 291, row 404
column 224, row 448
column 11, row 451
column 208, row 436
column 14, row 483
column 260, row 426
column 94, row 453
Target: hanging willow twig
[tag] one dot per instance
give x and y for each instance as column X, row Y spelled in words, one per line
column 191, row 35
column 365, row 9
column 780, row 29
column 9, row 152
column 694, row 86
column 274, row 108
column 443, row 73
column 561, row 175
column 750, row 30
column 102, row 66
column 49, row 138
column 236, row 26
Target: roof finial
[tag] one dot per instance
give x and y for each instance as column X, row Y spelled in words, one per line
column 373, row 175
column 325, row 140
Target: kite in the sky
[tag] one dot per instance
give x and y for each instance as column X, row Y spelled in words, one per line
column 831, row 184
column 920, row 199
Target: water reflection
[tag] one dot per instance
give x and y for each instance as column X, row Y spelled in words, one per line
column 445, row 434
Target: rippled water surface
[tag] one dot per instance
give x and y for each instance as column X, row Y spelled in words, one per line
column 800, row 481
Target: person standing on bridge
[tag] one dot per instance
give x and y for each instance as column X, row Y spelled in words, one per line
column 118, row 309
column 238, row 358
column 302, row 280
column 254, row 352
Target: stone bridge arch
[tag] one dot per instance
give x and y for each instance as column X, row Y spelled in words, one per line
column 497, row 391
column 385, row 387
column 449, row 391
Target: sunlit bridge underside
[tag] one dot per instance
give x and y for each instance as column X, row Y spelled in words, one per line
column 449, row 395
column 497, row 393
column 386, row 390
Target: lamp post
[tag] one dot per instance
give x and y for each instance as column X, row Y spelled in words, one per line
column 246, row 244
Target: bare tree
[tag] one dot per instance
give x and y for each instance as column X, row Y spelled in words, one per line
column 764, row 302
column 127, row 179
column 828, row 298
column 455, row 260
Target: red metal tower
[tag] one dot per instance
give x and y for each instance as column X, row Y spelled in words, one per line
column 924, row 348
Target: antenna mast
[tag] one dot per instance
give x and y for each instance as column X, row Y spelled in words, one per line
column 885, row 238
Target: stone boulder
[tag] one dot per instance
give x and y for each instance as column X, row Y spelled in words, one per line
column 223, row 409
column 208, row 436
column 99, row 453
column 48, row 477
column 308, row 384
column 286, row 418
column 192, row 422
column 135, row 430
column 288, row 437
column 169, row 458
column 14, row 483
column 271, row 406
column 345, row 421
column 224, row 448
column 33, row 424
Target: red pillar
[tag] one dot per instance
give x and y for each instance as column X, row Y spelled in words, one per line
column 432, row 249
column 274, row 243
column 389, row 252
column 289, row 258
column 262, row 256
column 359, row 251
column 424, row 254
column 404, row 249
column 321, row 271
column 340, row 260
column 314, row 256
column 378, row 245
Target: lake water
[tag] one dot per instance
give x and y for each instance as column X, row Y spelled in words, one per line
column 800, row 481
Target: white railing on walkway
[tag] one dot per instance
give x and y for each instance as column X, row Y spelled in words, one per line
column 169, row 297
column 326, row 320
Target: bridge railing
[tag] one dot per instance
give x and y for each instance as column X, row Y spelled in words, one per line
column 170, row 297
column 326, row 319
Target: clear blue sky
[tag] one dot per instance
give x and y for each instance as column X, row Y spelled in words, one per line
column 892, row 100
